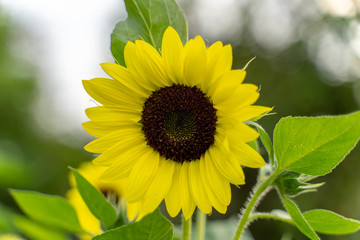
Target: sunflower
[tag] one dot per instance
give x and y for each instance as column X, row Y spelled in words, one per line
column 114, row 191
column 172, row 125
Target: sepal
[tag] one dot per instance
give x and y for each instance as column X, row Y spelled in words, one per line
column 292, row 184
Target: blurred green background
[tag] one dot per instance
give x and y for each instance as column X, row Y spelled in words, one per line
column 307, row 64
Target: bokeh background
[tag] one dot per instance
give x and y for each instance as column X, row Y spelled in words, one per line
column 307, row 64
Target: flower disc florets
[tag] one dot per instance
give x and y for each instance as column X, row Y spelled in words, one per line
column 179, row 122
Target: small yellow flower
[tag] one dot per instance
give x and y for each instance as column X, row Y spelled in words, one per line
column 92, row 173
column 172, row 124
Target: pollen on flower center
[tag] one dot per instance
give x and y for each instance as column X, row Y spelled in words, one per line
column 180, row 125
column 179, row 122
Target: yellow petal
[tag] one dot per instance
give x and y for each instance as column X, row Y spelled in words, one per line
column 247, row 156
column 151, row 64
column 238, row 131
column 250, row 112
column 131, row 60
column 194, row 61
column 102, row 113
column 217, row 182
column 109, row 92
column 197, row 189
column 130, row 144
column 99, row 129
column 106, row 142
column 134, row 64
column 172, row 198
column 159, row 186
column 186, row 200
column 122, row 166
column 123, row 75
column 227, row 166
column 219, row 59
column 244, row 95
column 213, row 199
column 142, row 175
column 132, row 210
column 225, row 86
column 171, row 51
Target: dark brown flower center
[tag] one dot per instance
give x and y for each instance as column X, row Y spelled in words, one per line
column 179, row 122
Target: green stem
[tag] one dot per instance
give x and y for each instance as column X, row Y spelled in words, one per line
column 270, row 216
column 200, row 225
column 259, row 189
column 186, row 229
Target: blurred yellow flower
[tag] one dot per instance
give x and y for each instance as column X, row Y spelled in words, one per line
column 114, row 189
column 172, row 124
column 10, row 236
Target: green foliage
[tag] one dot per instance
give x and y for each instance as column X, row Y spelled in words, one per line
column 152, row 227
column 147, row 20
column 95, row 201
column 327, row 222
column 36, row 230
column 12, row 170
column 314, row 146
column 53, row 211
column 299, row 219
column 293, row 184
column 265, row 139
column 5, row 219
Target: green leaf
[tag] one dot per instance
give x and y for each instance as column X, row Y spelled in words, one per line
column 299, row 219
column 36, row 230
column 95, row 200
column 152, row 227
column 315, row 146
column 327, row 222
column 51, row 210
column 147, row 20
column 265, row 139
column 254, row 144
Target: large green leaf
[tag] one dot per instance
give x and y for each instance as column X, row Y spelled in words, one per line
column 147, row 20
column 95, row 201
column 314, row 146
column 36, row 230
column 51, row 210
column 327, row 222
column 152, row 227
column 299, row 219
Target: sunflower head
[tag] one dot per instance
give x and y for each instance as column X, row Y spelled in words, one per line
column 172, row 125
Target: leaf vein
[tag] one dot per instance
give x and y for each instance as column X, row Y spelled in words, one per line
column 289, row 143
column 145, row 23
column 319, row 146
